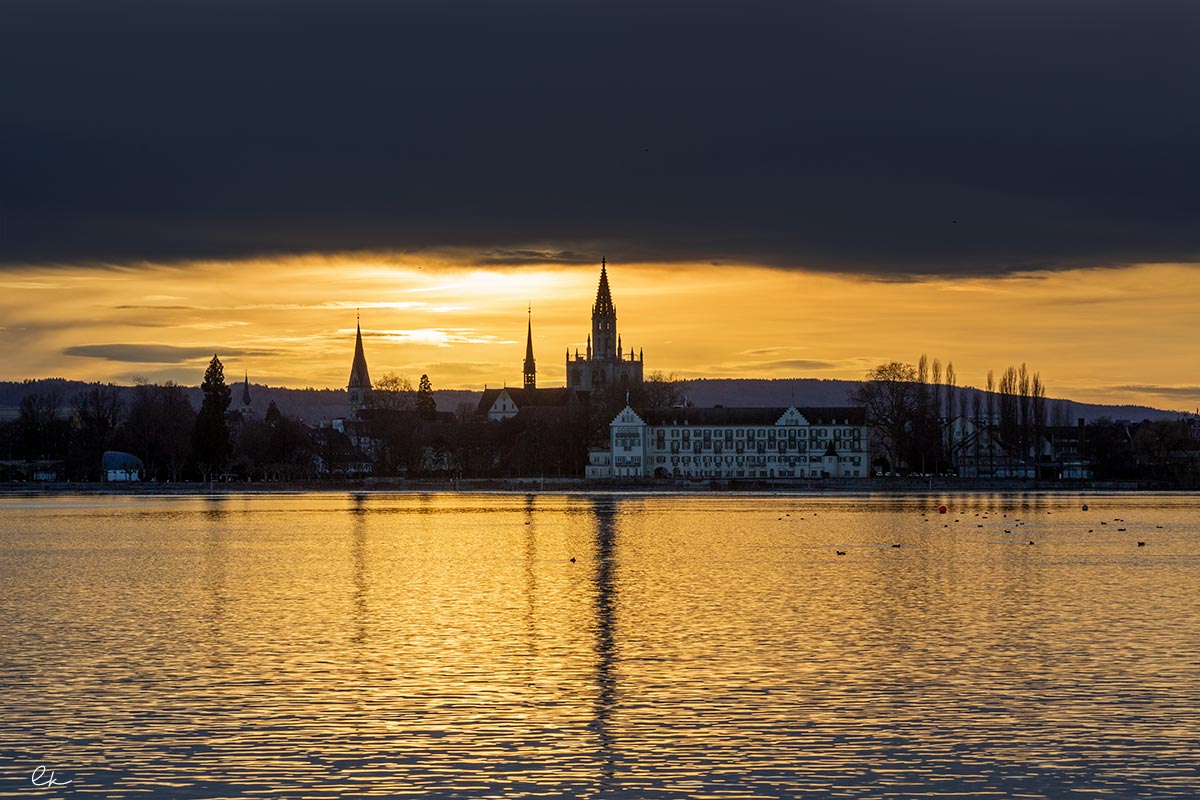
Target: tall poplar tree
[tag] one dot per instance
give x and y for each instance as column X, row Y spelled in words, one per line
column 210, row 436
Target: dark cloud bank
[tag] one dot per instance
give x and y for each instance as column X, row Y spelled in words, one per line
column 886, row 137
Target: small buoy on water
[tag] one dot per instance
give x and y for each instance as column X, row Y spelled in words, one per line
column 1085, row 506
column 572, row 559
column 1141, row 544
column 941, row 509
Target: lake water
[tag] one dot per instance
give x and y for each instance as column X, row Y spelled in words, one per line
column 332, row 645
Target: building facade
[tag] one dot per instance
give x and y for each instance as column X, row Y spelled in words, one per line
column 605, row 363
column 732, row 443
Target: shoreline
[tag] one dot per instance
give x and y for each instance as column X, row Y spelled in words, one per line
column 816, row 487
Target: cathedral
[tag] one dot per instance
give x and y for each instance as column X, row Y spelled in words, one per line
column 606, row 362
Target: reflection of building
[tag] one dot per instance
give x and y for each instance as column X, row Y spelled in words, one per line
column 359, row 385
column 724, row 443
column 605, row 363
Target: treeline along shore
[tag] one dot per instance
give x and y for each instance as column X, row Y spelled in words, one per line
column 926, row 433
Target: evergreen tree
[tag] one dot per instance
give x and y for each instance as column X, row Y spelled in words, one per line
column 210, row 436
column 426, row 405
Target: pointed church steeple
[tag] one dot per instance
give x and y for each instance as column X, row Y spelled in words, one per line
column 359, row 385
column 530, row 368
column 246, row 392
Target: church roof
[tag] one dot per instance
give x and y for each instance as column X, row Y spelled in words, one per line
column 604, row 304
column 531, row 398
column 358, row 371
column 720, row 415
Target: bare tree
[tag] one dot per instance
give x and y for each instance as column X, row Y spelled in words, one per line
column 393, row 392
column 951, row 397
column 1025, row 428
column 97, row 416
column 663, row 391
column 991, row 420
column 889, row 393
column 936, row 418
column 1061, row 413
column 1038, row 409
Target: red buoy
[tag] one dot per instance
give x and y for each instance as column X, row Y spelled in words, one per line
column 941, row 509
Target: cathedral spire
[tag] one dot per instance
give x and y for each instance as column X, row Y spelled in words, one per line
column 246, row 391
column 604, row 304
column 530, row 367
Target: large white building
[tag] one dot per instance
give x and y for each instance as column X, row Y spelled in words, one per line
column 730, row 443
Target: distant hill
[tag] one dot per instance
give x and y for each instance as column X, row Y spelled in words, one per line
column 314, row 405
column 823, row 392
column 309, row 405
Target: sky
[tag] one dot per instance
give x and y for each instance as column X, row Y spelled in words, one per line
column 783, row 189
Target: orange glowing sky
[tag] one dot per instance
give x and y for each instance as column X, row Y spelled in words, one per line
column 1099, row 335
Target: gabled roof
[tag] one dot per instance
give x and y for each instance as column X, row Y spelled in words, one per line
column 719, row 415
column 528, row 398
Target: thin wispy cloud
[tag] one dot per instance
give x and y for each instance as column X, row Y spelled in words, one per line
column 155, row 353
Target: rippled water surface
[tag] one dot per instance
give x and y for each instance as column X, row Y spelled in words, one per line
column 327, row 646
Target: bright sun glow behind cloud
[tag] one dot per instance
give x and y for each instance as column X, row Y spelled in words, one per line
column 1099, row 335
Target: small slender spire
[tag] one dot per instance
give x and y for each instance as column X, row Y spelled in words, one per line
column 530, row 371
column 359, row 377
column 246, row 391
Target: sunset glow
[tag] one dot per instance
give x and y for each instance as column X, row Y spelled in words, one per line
column 1097, row 335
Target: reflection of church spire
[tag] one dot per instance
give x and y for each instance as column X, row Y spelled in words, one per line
column 530, row 368
column 605, row 514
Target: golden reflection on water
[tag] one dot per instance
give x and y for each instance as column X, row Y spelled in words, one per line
column 700, row 646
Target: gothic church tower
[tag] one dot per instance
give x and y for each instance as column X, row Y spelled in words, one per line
column 605, row 363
